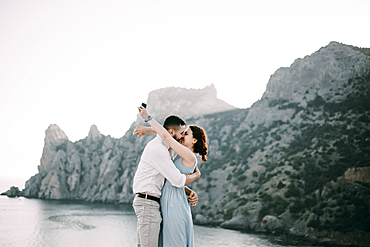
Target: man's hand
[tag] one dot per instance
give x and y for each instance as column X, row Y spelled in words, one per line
column 197, row 172
column 192, row 177
column 141, row 130
column 193, row 198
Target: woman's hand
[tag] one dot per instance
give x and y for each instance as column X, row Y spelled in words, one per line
column 193, row 198
column 143, row 112
column 142, row 130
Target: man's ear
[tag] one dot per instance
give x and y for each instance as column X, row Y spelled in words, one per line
column 171, row 131
column 195, row 141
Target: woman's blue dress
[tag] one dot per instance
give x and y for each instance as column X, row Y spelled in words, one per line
column 177, row 229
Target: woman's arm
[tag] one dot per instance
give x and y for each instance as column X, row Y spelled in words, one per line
column 185, row 153
column 143, row 130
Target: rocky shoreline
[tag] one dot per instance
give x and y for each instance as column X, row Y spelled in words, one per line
column 270, row 226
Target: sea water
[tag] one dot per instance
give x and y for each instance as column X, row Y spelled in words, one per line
column 35, row 222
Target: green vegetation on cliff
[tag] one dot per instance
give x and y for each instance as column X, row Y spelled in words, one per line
column 300, row 162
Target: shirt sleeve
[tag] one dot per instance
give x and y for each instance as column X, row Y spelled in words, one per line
column 161, row 161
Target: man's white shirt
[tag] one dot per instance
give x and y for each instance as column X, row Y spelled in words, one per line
column 155, row 165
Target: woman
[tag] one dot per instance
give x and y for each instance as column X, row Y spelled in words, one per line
column 177, row 227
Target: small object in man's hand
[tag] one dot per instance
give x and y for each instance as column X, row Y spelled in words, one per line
column 143, row 105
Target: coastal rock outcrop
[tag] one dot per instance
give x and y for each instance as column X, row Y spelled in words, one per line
column 236, row 223
column 12, row 192
column 297, row 159
column 272, row 224
column 300, row 154
column 101, row 168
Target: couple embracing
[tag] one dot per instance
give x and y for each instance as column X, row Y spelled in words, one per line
column 160, row 182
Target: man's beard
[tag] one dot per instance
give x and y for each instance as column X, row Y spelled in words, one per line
column 179, row 140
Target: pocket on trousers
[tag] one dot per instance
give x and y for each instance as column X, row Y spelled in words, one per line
column 139, row 211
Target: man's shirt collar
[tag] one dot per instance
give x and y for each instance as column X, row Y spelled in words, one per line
column 164, row 143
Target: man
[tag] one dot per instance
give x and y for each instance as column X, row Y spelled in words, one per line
column 154, row 167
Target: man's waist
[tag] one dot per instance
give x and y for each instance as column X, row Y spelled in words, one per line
column 152, row 190
column 151, row 187
column 149, row 197
column 149, row 194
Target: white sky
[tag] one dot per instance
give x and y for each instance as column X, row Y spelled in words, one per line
column 77, row 63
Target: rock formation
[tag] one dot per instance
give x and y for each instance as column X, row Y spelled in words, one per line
column 12, row 192
column 297, row 160
column 272, row 224
column 300, row 154
column 358, row 174
column 322, row 73
column 101, row 168
column 185, row 102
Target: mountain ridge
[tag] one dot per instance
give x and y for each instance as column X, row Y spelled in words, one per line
column 288, row 164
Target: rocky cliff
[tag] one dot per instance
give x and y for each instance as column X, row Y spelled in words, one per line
column 101, row 168
column 185, row 102
column 297, row 161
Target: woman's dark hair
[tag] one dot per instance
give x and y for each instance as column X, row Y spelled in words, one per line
column 173, row 122
column 200, row 147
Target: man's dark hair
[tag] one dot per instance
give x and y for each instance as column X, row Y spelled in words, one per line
column 173, row 122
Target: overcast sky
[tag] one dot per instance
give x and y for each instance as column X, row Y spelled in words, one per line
column 76, row 63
